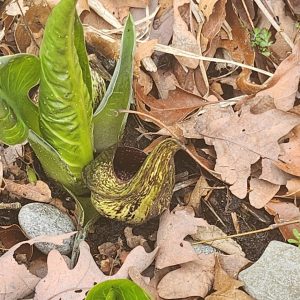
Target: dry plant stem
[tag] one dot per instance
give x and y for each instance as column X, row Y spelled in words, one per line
column 179, row 52
column 208, row 204
column 247, row 13
column 173, row 134
column 210, row 207
column 274, row 23
column 181, row 185
column 13, row 205
column 271, row 227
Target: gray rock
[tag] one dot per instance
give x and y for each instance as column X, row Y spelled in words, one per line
column 44, row 219
column 276, row 275
column 204, row 249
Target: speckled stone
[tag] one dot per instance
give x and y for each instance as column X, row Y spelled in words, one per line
column 44, row 219
column 276, row 275
column 204, row 249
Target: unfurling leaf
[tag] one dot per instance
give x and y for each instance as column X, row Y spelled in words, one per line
column 13, row 130
column 108, row 127
column 18, row 74
column 122, row 289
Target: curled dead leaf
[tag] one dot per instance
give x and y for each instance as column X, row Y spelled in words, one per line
column 39, row 191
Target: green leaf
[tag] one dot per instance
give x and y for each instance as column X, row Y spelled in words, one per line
column 53, row 164
column 13, row 131
column 65, row 103
column 108, row 127
column 118, row 289
column 18, row 74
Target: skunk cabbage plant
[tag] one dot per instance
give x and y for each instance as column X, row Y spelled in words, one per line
column 61, row 127
column 64, row 132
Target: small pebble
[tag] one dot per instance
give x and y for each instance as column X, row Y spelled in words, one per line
column 276, row 275
column 204, row 249
column 38, row 219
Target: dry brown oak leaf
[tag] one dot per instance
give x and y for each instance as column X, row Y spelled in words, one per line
column 174, row 226
column 194, row 278
column 16, row 282
column 63, row 283
column 242, row 138
column 226, row 287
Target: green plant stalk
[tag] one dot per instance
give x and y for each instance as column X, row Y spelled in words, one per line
column 65, row 104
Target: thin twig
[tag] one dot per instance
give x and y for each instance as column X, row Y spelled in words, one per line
column 179, row 52
column 13, row 205
column 271, row 227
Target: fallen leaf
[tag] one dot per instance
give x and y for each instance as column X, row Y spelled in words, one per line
column 215, row 14
column 13, row 9
column 233, row 264
column 133, row 240
column 13, row 234
column 16, row 281
column 246, row 11
column 295, row 5
column 143, row 282
column 35, row 19
column 261, row 192
column 10, row 154
column 280, row 48
column 174, row 226
column 200, row 190
column 289, row 159
column 39, row 191
column 193, row 278
column 143, row 50
column 175, row 108
column 165, row 82
column 283, row 85
column 284, row 211
column 210, row 232
column 271, row 173
column 207, row 7
column 241, row 139
column 293, row 186
column 63, row 283
column 145, row 81
column 226, row 287
column 183, row 39
column 162, row 28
